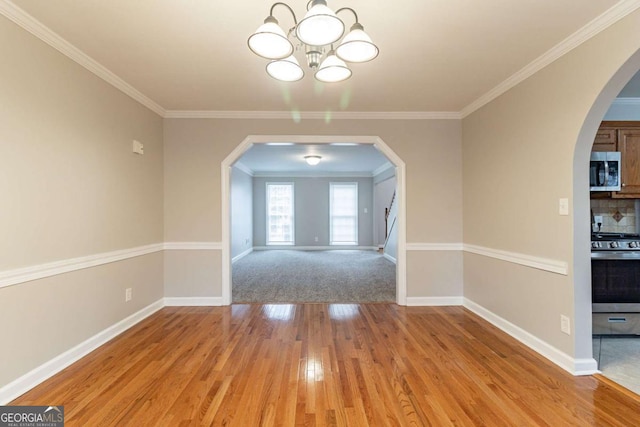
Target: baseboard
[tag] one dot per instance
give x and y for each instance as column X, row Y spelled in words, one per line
column 560, row 358
column 192, row 301
column 390, row 258
column 36, row 376
column 315, row 248
column 433, row 301
column 241, row 255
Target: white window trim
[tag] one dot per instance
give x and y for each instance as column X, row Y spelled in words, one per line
column 293, row 213
column 331, row 242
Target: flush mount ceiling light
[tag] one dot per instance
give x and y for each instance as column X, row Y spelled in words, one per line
column 315, row 35
column 312, row 160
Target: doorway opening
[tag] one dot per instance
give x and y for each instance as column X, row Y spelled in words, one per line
column 584, row 344
column 378, row 143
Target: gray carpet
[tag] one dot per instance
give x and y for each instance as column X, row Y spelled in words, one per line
column 313, row 276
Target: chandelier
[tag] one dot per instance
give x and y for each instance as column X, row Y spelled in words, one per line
column 315, row 35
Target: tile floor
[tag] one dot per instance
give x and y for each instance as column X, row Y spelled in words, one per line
column 619, row 359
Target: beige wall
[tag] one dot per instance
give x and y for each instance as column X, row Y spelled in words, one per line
column 192, row 273
column 518, row 160
column 71, row 187
column 431, row 150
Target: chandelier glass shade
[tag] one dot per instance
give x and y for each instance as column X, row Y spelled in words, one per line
column 320, row 26
column 269, row 41
column 357, row 46
column 315, row 36
column 286, row 70
column 333, row 69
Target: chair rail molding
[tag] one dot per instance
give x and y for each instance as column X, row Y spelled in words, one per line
column 41, row 271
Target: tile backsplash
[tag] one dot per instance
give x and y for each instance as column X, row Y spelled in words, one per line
column 618, row 215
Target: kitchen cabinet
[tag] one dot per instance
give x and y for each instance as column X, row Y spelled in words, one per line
column 623, row 137
column 606, row 139
column 629, row 147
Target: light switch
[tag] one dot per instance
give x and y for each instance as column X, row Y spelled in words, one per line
column 563, row 206
column 138, row 148
column 366, row 210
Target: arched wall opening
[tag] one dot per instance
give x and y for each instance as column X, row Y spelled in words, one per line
column 401, row 274
column 581, row 206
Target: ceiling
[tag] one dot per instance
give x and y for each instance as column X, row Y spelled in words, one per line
column 337, row 159
column 435, row 55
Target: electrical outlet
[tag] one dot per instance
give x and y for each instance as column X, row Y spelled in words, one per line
column 565, row 324
column 597, row 219
column 127, row 295
column 316, row 238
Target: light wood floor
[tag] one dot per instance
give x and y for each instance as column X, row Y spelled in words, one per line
column 321, row 364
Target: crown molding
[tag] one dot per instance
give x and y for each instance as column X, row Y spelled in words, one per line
column 35, row 27
column 382, row 168
column 244, row 168
column 312, row 174
column 602, row 22
column 44, row 33
column 315, row 115
column 626, row 101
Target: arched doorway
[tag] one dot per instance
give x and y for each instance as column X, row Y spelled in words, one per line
column 581, row 234
column 401, row 282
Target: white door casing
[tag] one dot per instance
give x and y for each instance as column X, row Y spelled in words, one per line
column 401, row 269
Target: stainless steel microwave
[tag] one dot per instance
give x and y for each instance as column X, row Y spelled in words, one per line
column 604, row 171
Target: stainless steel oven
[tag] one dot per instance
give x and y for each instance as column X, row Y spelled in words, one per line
column 615, row 283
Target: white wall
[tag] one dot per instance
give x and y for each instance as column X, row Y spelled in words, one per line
column 241, row 212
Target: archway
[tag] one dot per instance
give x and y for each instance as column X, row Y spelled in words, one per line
column 585, row 364
column 401, row 275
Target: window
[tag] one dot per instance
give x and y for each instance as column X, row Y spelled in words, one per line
column 343, row 217
column 280, row 214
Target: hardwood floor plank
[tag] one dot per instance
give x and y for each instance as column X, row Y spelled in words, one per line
column 325, row 365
